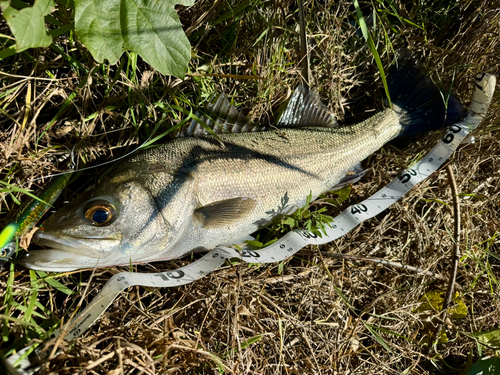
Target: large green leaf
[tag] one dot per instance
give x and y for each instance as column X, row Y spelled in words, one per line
column 28, row 24
column 150, row 28
column 490, row 338
column 486, row 366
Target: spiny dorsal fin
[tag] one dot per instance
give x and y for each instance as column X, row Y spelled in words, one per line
column 222, row 117
column 224, row 213
column 305, row 109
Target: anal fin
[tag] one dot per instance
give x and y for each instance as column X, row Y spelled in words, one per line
column 354, row 175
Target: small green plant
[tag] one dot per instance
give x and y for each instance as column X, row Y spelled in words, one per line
column 314, row 221
column 107, row 28
column 481, row 256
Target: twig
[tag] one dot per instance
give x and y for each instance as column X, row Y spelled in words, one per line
column 390, row 264
column 455, row 257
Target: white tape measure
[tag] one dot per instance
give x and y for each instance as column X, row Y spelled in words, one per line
column 297, row 239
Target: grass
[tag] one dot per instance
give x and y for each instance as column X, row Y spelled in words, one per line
column 309, row 314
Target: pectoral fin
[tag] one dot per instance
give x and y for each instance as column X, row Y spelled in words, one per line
column 224, row 213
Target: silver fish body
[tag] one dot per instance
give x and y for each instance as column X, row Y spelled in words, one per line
column 193, row 193
column 158, row 194
column 248, row 180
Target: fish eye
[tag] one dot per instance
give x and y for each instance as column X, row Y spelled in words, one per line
column 100, row 212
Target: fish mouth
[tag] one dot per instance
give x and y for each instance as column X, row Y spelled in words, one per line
column 65, row 253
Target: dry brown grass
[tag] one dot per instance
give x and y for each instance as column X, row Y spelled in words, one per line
column 319, row 315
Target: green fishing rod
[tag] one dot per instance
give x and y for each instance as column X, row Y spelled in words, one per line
column 29, row 216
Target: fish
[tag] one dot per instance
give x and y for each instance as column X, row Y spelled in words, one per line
column 218, row 185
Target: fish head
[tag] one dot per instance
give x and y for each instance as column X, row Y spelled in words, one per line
column 115, row 222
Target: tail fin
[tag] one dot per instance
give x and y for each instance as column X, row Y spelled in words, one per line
column 419, row 103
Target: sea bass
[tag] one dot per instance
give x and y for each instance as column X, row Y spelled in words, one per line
column 201, row 191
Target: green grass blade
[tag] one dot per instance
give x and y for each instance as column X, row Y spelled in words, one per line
column 244, row 344
column 191, row 115
column 21, row 190
column 158, row 137
column 7, row 302
column 56, row 284
column 7, row 52
column 232, row 12
column 66, row 103
column 24, row 309
column 378, row 338
column 8, row 92
column 382, row 329
column 74, row 63
column 371, row 44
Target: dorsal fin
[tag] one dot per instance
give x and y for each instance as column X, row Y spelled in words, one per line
column 222, row 117
column 305, row 109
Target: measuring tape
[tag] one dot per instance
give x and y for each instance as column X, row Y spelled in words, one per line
column 294, row 241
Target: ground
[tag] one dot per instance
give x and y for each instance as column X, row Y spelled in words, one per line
column 313, row 313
